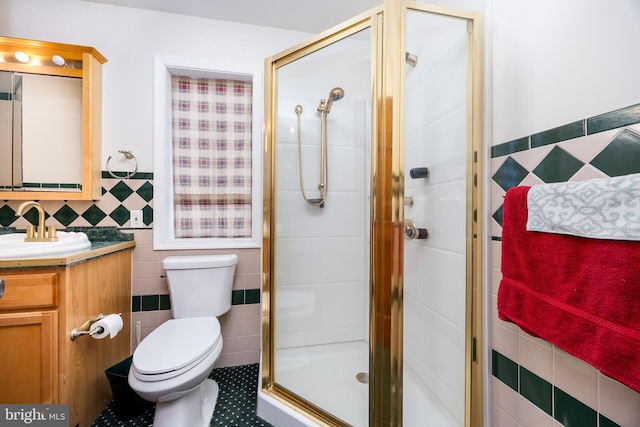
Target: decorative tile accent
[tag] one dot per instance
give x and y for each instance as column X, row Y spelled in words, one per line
column 119, row 197
column 237, row 297
column 510, row 174
column 121, row 191
column 548, row 156
column 497, row 215
column 93, row 215
column 562, row 133
column 571, row 412
column 136, row 303
column 145, row 191
column 120, row 215
column 615, row 119
column 505, row 370
column 65, row 215
column 536, row 390
column 163, row 302
column 606, row 422
column 510, row 147
column 150, row 302
column 557, row 166
column 246, row 296
column 615, row 151
column 563, row 407
column 147, row 215
column 252, row 296
column 7, row 216
column 621, row 156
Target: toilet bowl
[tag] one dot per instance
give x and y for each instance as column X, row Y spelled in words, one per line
column 172, row 364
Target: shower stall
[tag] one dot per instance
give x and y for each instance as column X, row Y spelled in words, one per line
column 371, row 304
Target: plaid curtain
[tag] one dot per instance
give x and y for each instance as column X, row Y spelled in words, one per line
column 211, row 138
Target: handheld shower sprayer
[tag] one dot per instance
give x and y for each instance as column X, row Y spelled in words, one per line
column 336, row 94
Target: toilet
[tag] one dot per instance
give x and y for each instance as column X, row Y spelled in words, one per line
column 172, row 364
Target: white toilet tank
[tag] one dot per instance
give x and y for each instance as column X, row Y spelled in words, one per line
column 200, row 286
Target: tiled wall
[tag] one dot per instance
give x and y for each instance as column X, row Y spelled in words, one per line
column 535, row 383
column 150, row 294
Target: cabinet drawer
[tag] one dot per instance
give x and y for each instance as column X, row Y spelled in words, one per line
column 29, row 290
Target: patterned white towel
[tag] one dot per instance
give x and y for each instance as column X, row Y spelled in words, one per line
column 607, row 208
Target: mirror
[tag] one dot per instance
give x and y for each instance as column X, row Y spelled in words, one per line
column 50, row 121
column 45, row 140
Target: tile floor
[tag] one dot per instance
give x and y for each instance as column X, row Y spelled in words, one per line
column 236, row 404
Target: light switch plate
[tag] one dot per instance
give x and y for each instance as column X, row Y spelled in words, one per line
column 136, row 219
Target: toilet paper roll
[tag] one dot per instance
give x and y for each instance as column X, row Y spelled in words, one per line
column 108, row 325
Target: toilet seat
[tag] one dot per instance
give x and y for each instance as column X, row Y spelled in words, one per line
column 175, row 347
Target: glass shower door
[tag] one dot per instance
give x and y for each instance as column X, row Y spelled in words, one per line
column 321, row 234
column 436, row 218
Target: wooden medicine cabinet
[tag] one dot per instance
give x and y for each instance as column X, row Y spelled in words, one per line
column 50, row 120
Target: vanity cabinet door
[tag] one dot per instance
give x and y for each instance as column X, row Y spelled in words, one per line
column 29, row 357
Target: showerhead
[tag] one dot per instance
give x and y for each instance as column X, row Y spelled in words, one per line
column 336, row 94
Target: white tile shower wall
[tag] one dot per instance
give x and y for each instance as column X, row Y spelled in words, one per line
column 322, row 252
column 240, row 326
column 434, row 269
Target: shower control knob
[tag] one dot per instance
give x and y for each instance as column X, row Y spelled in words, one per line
column 412, row 232
column 417, row 173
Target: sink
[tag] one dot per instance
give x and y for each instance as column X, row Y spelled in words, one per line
column 13, row 245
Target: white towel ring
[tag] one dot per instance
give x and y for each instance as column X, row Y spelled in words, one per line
column 129, row 156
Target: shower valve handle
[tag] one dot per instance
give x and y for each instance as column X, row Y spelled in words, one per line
column 417, row 173
column 412, row 232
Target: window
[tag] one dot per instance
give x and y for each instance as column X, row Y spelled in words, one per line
column 207, row 145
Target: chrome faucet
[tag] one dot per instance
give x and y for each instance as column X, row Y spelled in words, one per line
column 39, row 234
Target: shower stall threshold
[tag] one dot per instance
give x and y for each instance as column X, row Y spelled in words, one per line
column 329, row 374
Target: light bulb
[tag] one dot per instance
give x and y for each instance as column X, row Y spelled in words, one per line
column 58, row 60
column 22, row 57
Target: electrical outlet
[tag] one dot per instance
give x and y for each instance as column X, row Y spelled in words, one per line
column 136, row 219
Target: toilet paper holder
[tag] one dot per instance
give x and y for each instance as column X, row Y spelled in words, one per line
column 85, row 329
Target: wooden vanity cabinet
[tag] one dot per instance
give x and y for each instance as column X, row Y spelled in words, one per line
column 40, row 307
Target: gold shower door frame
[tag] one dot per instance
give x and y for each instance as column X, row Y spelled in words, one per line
column 387, row 23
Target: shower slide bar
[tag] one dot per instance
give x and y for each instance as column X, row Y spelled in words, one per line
column 324, row 108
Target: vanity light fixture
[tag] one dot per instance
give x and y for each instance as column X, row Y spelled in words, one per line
column 21, row 56
column 59, row 60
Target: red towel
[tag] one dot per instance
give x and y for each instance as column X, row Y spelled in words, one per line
column 580, row 294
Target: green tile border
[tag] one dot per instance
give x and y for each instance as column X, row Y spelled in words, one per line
column 124, row 175
column 536, row 390
column 245, row 296
column 614, row 119
column 505, row 370
column 563, row 407
column 559, row 134
column 571, row 412
column 621, row 117
column 521, row 144
column 606, row 422
column 163, row 302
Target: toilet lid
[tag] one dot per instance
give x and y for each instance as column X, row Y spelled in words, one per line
column 175, row 344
